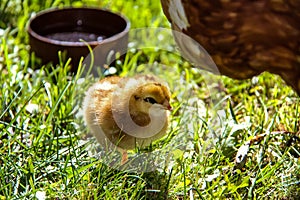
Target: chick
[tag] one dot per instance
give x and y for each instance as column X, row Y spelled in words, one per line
column 127, row 112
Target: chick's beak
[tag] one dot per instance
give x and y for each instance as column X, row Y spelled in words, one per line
column 167, row 105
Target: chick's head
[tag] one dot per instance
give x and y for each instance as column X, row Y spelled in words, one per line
column 148, row 95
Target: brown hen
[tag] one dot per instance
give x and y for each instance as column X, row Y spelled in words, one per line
column 243, row 37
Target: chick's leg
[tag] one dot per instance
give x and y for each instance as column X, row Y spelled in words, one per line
column 124, row 156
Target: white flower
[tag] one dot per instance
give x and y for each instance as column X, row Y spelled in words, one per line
column 32, row 108
column 40, row 195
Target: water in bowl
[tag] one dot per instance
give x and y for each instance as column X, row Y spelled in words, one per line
column 76, row 36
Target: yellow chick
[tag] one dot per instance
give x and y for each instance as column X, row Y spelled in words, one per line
column 127, row 112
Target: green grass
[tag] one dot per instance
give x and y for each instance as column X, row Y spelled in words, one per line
column 44, row 147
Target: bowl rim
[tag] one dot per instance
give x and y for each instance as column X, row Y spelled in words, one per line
column 77, row 44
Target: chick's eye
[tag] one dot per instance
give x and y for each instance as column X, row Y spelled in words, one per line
column 150, row 100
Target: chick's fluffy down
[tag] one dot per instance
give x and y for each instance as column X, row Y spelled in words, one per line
column 127, row 112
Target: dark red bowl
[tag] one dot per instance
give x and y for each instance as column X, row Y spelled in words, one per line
column 56, row 30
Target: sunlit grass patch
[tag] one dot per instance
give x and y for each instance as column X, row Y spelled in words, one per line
column 45, row 148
